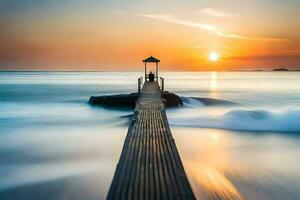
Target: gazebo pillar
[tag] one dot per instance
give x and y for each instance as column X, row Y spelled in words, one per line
column 145, row 71
column 156, row 71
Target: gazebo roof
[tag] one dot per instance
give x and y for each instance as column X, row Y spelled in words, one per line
column 151, row 59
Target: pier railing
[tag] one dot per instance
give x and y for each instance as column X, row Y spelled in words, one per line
column 140, row 84
column 162, row 85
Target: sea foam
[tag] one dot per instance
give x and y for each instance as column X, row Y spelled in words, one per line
column 245, row 120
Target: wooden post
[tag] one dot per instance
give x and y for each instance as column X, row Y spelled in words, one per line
column 162, row 86
column 139, row 86
column 157, row 71
column 145, row 71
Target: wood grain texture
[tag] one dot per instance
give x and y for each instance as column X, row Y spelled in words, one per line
column 150, row 166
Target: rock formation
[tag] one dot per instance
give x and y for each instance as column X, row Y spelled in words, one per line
column 129, row 100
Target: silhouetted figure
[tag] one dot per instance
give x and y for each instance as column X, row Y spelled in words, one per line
column 151, row 76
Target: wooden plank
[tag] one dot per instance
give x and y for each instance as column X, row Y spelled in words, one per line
column 115, row 189
column 150, row 166
column 179, row 189
column 162, row 178
column 141, row 179
column 168, row 167
column 168, row 184
column 146, row 183
column 155, row 164
column 134, row 163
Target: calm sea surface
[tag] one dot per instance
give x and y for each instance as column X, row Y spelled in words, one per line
column 53, row 145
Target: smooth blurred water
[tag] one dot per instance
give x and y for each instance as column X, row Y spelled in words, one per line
column 53, row 145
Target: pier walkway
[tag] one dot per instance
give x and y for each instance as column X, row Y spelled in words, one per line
column 150, row 166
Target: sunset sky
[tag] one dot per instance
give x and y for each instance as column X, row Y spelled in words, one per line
column 117, row 35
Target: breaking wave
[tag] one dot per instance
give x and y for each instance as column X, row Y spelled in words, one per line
column 198, row 102
column 245, row 120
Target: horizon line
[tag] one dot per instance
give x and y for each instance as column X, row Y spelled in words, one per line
column 238, row 70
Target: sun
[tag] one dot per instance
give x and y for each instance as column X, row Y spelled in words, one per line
column 213, row 56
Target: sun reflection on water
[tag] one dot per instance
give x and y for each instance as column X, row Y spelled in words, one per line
column 214, row 183
column 208, row 168
column 214, row 84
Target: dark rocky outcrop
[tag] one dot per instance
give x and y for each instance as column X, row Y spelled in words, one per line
column 280, row 70
column 119, row 100
column 172, row 100
column 129, row 100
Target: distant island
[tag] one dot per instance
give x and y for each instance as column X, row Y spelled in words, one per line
column 281, row 69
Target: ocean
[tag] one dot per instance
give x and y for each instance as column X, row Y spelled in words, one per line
column 244, row 145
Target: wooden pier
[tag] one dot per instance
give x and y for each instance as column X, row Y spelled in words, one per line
column 150, row 166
